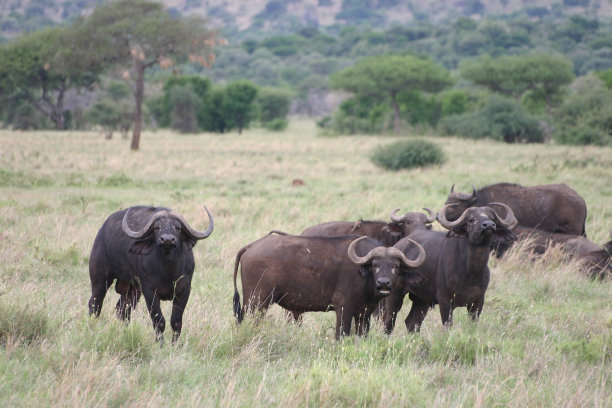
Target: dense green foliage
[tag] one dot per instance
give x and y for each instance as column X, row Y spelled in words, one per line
column 499, row 119
column 406, row 154
column 586, row 115
column 384, row 77
column 273, row 105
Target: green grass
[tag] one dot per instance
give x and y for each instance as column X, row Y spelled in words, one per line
column 544, row 338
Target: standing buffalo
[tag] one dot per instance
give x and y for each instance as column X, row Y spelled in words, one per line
column 347, row 274
column 550, row 207
column 455, row 270
column 386, row 233
column 157, row 259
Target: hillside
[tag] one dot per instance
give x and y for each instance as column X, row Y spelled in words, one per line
column 237, row 17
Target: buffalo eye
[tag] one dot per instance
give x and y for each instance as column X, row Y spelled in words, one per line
column 177, row 228
column 157, row 228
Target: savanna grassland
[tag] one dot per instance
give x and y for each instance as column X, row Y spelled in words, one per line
column 544, row 338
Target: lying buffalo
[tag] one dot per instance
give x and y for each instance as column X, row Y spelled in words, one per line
column 596, row 260
column 347, row 274
column 386, row 233
column 550, row 207
column 541, row 240
column 156, row 259
column 455, row 270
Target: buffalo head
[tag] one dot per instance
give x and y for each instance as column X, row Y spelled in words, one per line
column 386, row 264
column 462, row 202
column 166, row 229
column 413, row 220
column 478, row 223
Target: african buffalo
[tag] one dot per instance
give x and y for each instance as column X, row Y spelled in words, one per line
column 550, row 207
column 455, row 270
column 596, row 260
column 541, row 240
column 157, row 259
column 308, row 274
column 386, row 233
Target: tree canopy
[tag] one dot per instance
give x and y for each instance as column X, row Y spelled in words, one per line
column 384, row 77
column 540, row 75
column 139, row 34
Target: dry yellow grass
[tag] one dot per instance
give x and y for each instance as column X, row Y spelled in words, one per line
column 544, row 338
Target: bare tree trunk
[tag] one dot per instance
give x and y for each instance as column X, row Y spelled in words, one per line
column 396, row 121
column 138, row 97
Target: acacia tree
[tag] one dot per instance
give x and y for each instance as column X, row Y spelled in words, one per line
column 542, row 76
column 385, row 76
column 40, row 67
column 136, row 35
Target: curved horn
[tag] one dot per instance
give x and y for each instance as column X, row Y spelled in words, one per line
column 473, row 191
column 402, row 257
column 145, row 230
column 448, row 224
column 452, row 188
column 192, row 232
column 359, row 260
column 431, row 217
column 510, row 221
column 395, row 218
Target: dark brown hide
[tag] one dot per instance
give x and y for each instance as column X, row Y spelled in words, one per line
column 550, row 207
column 304, row 274
column 157, row 260
column 455, row 270
column 386, row 233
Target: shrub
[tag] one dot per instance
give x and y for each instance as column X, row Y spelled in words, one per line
column 500, row 119
column 185, row 105
column 273, row 104
column 406, row 154
column 277, row 124
column 361, row 115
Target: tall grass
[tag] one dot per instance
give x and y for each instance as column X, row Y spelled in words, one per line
column 544, row 338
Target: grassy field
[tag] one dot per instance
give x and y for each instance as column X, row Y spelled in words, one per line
column 544, row 338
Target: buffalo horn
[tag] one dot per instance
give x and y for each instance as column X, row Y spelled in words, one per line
column 510, row 221
column 452, row 188
column 394, row 252
column 395, row 218
column 384, row 252
column 192, row 232
column 145, row 230
column 431, row 217
column 448, row 224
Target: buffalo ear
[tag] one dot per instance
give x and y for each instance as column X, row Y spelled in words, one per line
column 142, row 247
column 504, row 235
column 413, row 278
column 365, row 270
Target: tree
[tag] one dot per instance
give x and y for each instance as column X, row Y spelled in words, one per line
column 541, row 75
column 385, row 76
column 238, row 104
column 40, row 67
column 139, row 34
column 113, row 111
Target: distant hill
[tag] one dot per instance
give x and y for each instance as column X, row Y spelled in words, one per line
column 239, row 17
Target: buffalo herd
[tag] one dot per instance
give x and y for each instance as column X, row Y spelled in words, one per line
column 355, row 269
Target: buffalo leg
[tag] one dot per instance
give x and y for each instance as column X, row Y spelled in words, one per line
column 99, row 287
column 391, row 306
column 178, row 307
column 362, row 323
column 343, row 322
column 159, row 323
column 475, row 309
column 446, row 312
column 417, row 314
column 129, row 296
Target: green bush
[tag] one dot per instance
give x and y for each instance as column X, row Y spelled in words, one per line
column 363, row 115
column 406, row 154
column 277, row 124
column 500, row 119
